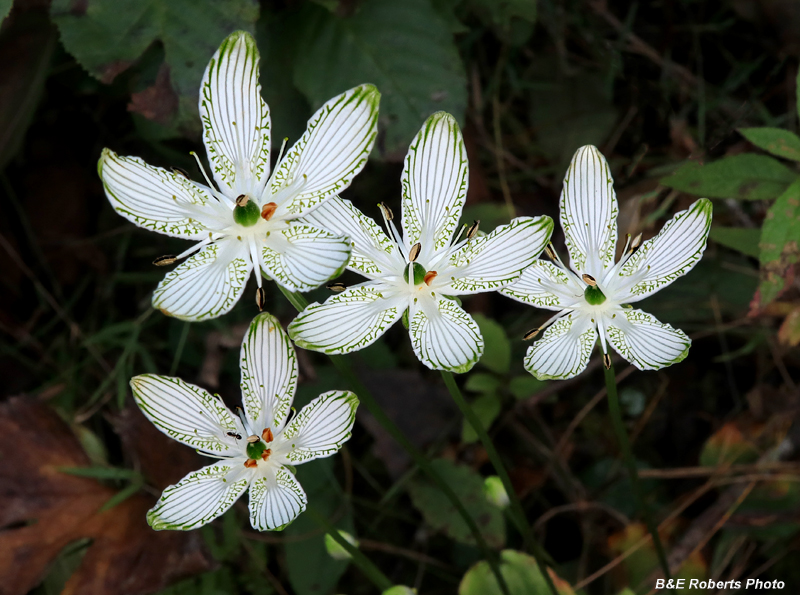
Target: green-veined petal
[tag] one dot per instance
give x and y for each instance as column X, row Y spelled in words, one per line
column 200, row 497
column 276, row 500
column 444, row 336
column 236, row 121
column 347, row 321
column 646, row 342
column 207, row 285
column 545, row 285
column 564, row 349
column 321, row 427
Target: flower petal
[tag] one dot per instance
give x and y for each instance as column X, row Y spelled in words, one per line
column 589, row 212
column 207, row 285
column 200, row 497
column 674, row 252
column 646, row 342
column 186, row 413
column 347, row 321
column 276, row 500
column 544, row 285
column 322, row 426
column 269, row 373
column 497, row 259
column 372, row 250
column 435, row 179
column 334, row 148
column 444, row 336
column 303, row 257
column 564, row 349
column 152, row 197
column 236, row 122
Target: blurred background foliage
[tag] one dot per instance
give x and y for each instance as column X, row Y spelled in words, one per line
column 686, row 98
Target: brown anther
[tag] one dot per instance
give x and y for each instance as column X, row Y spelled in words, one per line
column 473, row 229
column 430, row 276
column 635, row 243
column 261, row 298
column 180, row 171
column 265, row 454
column 530, row 334
column 242, row 200
column 250, row 463
column 550, row 253
column 253, row 439
column 414, row 252
column 337, row 287
column 607, row 361
column 163, row 261
column 268, row 210
column 589, row 280
column 387, row 212
column 267, row 435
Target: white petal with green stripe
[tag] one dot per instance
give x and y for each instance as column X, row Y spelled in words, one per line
column 186, row 413
column 207, row 285
column 564, row 349
column 236, row 121
column 269, row 373
column 545, row 285
column 200, row 497
column 646, row 342
column 444, row 336
column 435, row 179
column 347, row 321
column 334, row 148
column 153, row 197
column 276, row 500
column 321, row 427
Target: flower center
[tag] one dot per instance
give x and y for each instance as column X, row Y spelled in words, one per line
column 246, row 212
column 593, row 295
column 419, row 273
column 256, row 449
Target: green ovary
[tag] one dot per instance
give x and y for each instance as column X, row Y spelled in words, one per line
column 247, row 215
column 419, row 273
column 594, row 296
column 255, row 449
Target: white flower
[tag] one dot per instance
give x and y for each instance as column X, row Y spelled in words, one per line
column 248, row 222
column 592, row 296
column 254, row 449
column 417, row 275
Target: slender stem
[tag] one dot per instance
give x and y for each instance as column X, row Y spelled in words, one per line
column 630, row 464
column 365, row 397
column 372, row 572
column 517, row 512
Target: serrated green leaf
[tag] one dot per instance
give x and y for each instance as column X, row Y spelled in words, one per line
column 743, row 239
column 404, row 48
column 521, row 573
column 780, row 243
column 107, row 36
column 441, row 515
column 777, row 141
column 746, row 177
column 487, row 408
column 497, row 347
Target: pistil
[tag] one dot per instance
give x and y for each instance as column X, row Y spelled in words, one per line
column 246, row 211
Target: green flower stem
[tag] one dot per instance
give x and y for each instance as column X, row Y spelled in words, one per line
column 365, row 397
column 630, row 464
column 517, row 512
column 372, row 572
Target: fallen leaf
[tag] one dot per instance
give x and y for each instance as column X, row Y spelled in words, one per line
column 159, row 102
column 42, row 510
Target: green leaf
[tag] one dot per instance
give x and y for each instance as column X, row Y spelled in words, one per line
column 743, row 239
column 440, row 514
column 100, row 472
column 780, row 243
column 107, row 36
column 312, row 571
column 523, row 387
column 512, row 20
column 482, row 383
column 404, row 48
column 777, row 141
column 487, row 408
column 5, row 8
column 521, row 573
column 497, row 347
column 746, row 177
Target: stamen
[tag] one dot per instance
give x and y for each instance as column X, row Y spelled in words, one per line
column 253, row 439
column 267, row 435
column 429, row 276
column 250, row 463
column 589, row 280
column 242, row 200
column 607, row 361
column 414, row 253
column 180, row 171
column 473, row 229
column 337, row 287
column 261, row 298
column 531, row 334
column 387, row 212
column 202, row 169
column 635, row 244
column 266, row 453
column 551, row 253
column 166, row 260
column 268, row 210
column 244, row 421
